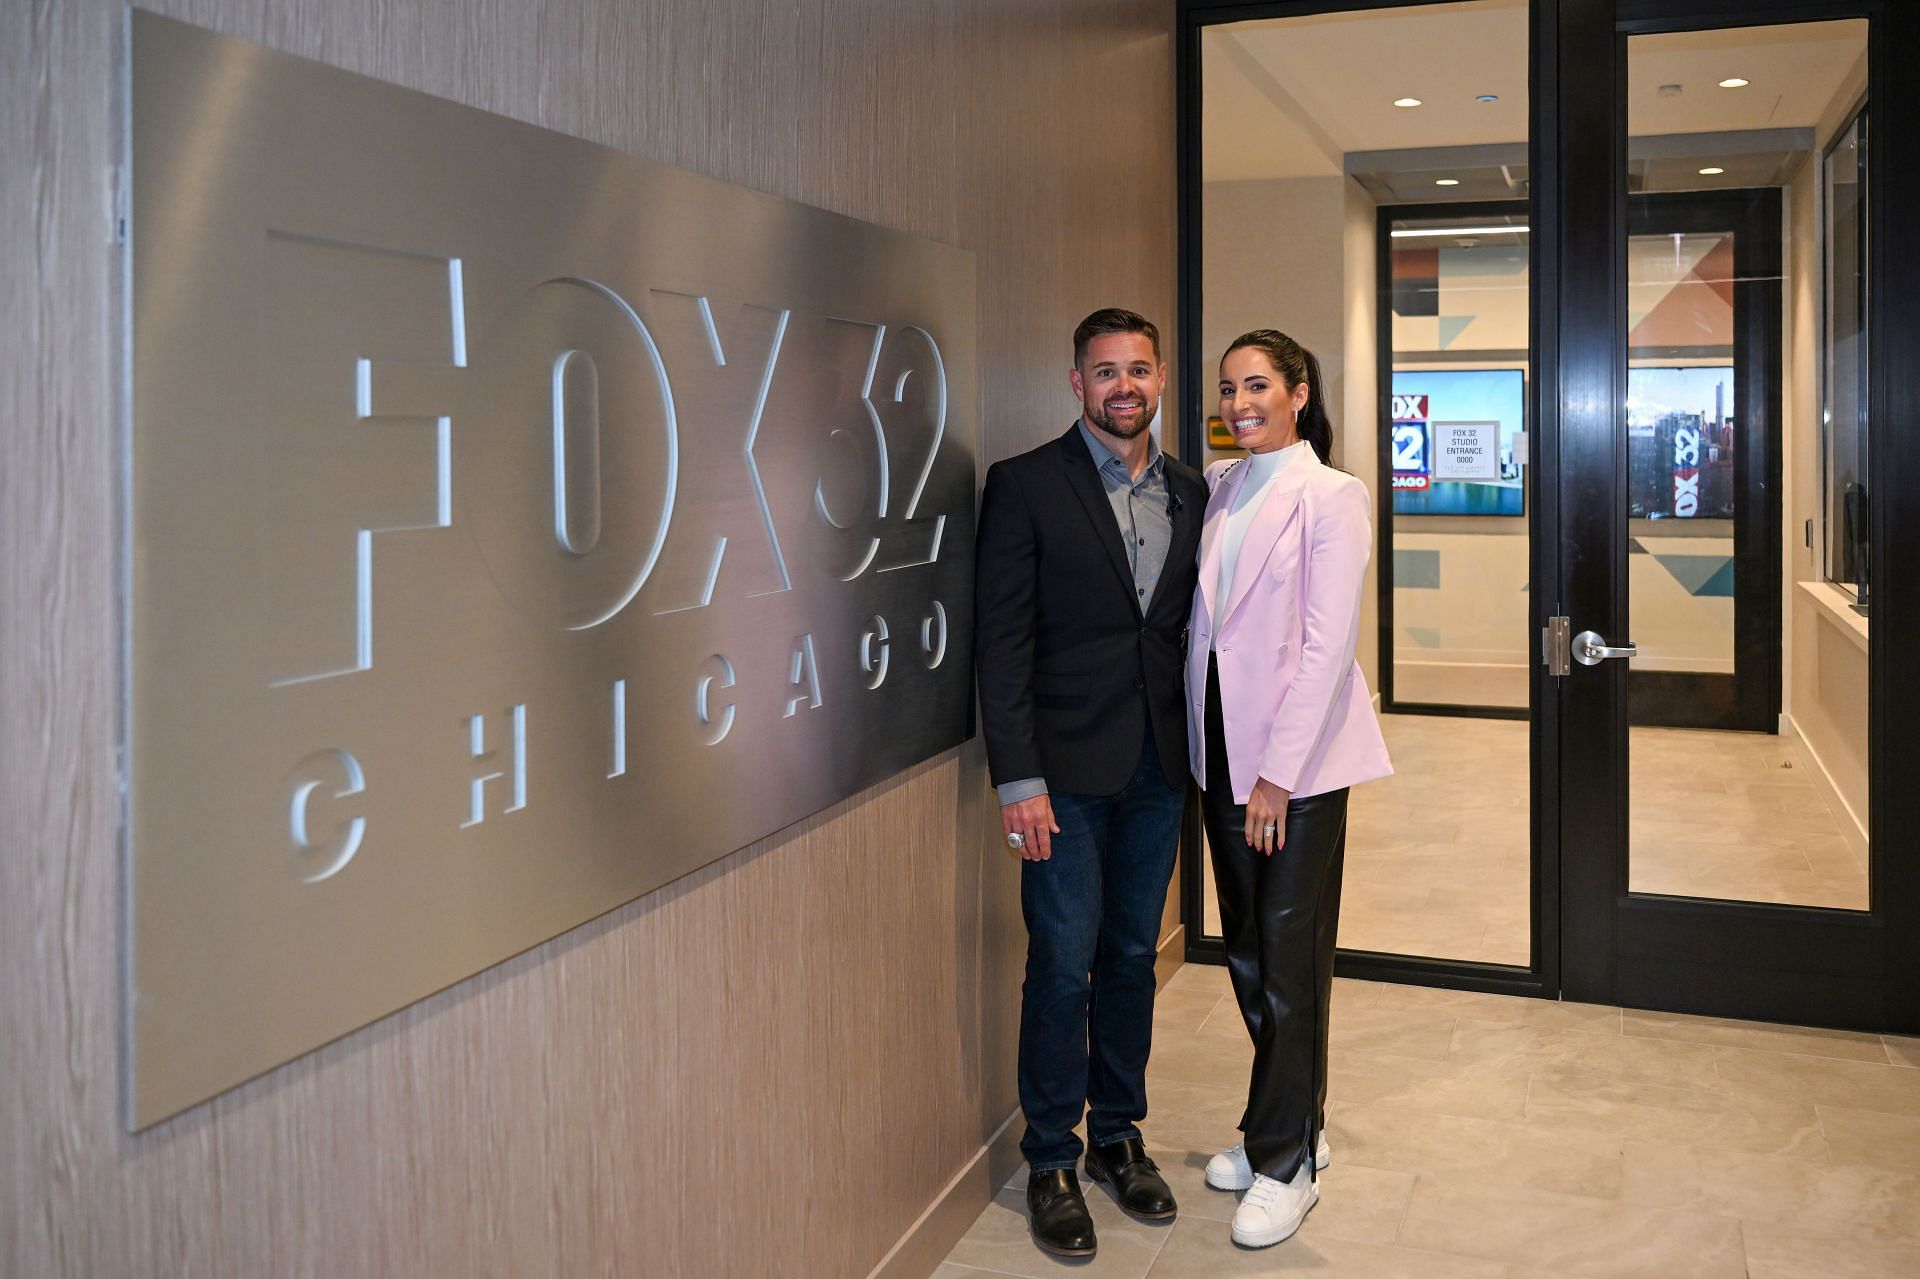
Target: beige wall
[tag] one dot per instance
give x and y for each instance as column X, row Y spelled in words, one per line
column 773, row 1066
column 1824, row 647
column 1274, row 260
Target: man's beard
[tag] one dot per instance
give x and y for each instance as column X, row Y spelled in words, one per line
column 1099, row 417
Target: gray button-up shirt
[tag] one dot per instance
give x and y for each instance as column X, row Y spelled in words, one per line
column 1146, row 529
column 1139, row 508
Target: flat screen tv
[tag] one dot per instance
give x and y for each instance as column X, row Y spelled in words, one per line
column 1459, row 445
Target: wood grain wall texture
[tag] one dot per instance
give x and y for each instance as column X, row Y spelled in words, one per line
column 771, row 1067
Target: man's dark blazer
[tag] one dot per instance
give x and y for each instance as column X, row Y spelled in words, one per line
column 1069, row 666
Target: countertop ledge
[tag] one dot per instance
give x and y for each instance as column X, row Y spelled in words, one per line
column 1837, row 609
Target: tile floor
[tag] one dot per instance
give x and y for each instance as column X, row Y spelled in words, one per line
column 1740, row 816
column 1484, row 1135
column 1437, row 853
column 1437, row 860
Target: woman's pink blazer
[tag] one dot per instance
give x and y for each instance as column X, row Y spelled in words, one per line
column 1296, row 706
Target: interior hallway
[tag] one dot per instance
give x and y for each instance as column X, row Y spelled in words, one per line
column 1507, row 1138
column 1437, row 853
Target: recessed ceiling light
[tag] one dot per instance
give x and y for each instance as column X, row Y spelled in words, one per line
column 1671, row 90
column 1712, row 170
column 1406, row 102
column 1446, row 182
column 1734, row 82
column 1488, row 97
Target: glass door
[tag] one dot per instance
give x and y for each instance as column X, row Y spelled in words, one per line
column 1736, row 841
column 1357, row 175
column 1637, row 268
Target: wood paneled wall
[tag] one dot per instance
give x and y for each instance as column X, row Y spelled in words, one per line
column 770, row 1067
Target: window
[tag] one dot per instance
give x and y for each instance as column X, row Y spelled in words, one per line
column 1844, row 375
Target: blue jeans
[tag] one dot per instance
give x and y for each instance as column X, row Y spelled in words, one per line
column 1093, row 923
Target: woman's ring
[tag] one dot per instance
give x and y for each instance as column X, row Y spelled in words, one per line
column 1016, row 840
column 1270, row 828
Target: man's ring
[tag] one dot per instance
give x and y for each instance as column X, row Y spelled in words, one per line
column 1016, row 840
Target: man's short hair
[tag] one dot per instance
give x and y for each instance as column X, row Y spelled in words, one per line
column 1112, row 319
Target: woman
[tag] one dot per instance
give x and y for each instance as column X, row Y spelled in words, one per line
column 1280, row 724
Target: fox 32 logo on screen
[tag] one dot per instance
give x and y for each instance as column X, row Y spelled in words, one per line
column 1411, row 466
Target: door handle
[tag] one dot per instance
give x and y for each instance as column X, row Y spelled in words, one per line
column 1590, row 650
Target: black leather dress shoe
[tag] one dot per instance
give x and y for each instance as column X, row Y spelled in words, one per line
column 1058, row 1213
column 1136, row 1179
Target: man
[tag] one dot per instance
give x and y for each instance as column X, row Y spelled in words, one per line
column 1084, row 576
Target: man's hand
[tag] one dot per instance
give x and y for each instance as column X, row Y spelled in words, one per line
column 1267, row 817
column 1033, row 820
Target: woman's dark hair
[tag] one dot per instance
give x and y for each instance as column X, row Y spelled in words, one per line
column 1295, row 364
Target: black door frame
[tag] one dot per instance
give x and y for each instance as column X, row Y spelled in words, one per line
column 1676, row 951
column 1541, row 977
column 1748, row 699
column 1777, row 963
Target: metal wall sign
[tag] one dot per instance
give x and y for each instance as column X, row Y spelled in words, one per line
column 515, row 526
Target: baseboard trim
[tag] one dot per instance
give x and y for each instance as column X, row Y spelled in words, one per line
column 953, row 1211
column 1853, row 830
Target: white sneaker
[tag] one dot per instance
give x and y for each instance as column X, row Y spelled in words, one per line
column 1273, row 1210
column 1229, row 1170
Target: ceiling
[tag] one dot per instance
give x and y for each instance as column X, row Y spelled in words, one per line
column 1310, row 96
column 1795, row 71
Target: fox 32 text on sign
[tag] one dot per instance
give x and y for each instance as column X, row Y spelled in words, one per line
column 510, row 536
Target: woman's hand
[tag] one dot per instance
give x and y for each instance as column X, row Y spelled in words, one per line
column 1267, row 817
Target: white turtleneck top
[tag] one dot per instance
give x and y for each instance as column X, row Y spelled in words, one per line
column 1262, row 469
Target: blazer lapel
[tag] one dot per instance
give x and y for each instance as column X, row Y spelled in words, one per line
column 1275, row 509
column 1086, row 484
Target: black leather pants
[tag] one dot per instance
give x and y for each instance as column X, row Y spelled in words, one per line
column 1279, row 914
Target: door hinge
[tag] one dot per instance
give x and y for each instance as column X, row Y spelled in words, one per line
column 1556, row 645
